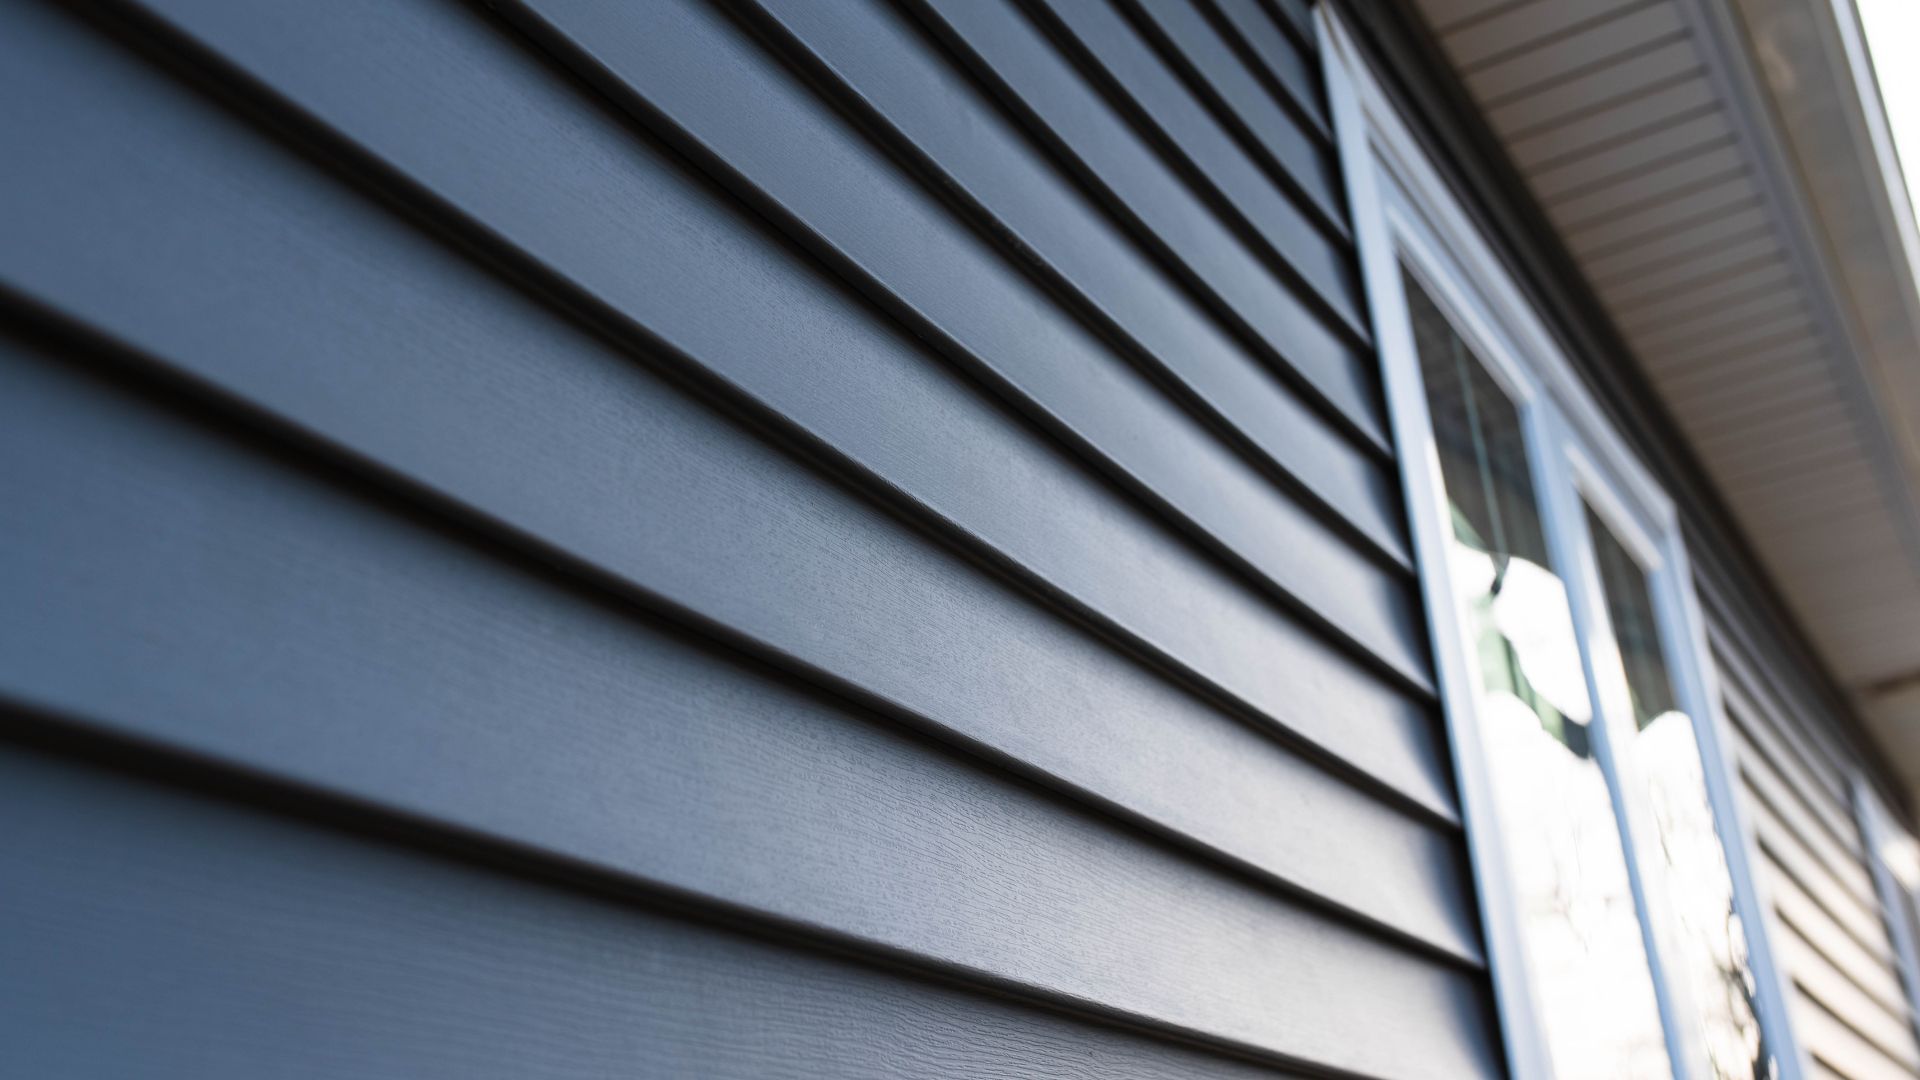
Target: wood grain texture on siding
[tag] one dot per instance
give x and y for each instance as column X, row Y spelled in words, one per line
column 506, row 409
column 1277, row 55
column 1033, row 76
column 742, row 459
column 964, row 289
column 883, row 69
column 874, row 63
column 1291, row 141
column 1120, row 59
column 203, row 940
column 665, row 764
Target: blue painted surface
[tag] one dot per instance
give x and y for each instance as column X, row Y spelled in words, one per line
column 594, row 539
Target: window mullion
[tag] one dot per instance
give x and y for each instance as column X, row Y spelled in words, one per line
column 1683, row 629
column 1613, row 727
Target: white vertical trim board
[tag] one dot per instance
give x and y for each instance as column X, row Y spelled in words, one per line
column 1405, row 216
column 1613, row 727
column 1426, row 498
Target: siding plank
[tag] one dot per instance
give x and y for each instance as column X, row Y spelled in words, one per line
column 1297, row 16
column 1128, row 70
column 422, row 363
column 170, row 583
column 1837, row 863
column 1842, row 1048
column 960, row 287
column 218, row 253
column 1286, row 63
column 206, row 941
column 1850, row 1010
column 1802, row 916
column 1889, row 1033
column 1761, row 747
column 1791, row 853
column 1818, row 750
column 1010, row 53
column 1289, row 132
column 942, row 114
column 845, row 476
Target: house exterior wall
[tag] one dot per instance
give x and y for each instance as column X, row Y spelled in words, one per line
column 1797, row 748
column 1850, row 1010
column 597, row 539
column 843, row 539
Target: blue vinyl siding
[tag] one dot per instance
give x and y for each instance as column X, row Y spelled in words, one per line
column 856, row 539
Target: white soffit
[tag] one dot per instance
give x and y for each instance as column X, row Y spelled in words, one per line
column 1720, row 171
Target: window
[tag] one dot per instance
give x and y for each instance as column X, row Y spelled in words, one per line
column 1598, row 1010
column 1710, row 950
column 1613, row 870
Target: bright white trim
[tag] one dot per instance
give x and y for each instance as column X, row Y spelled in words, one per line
column 1554, row 448
column 1425, row 497
column 1683, row 629
column 1406, row 216
column 1628, row 524
column 1662, row 556
column 1425, row 256
column 1897, row 208
column 1425, row 208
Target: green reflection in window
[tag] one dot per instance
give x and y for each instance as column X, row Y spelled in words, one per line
column 1523, row 634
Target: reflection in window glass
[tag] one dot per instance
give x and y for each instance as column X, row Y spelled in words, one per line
column 1699, row 886
column 1583, row 936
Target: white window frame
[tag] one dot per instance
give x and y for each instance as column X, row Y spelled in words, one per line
column 1406, row 216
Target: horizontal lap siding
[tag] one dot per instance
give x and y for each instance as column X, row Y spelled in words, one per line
column 439, row 683
column 1848, row 1006
column 763, row 461
column 1627, row 152
column 326, row 954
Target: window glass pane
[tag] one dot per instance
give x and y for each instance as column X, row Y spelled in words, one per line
column 1699, row 886
column 1582, row 931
